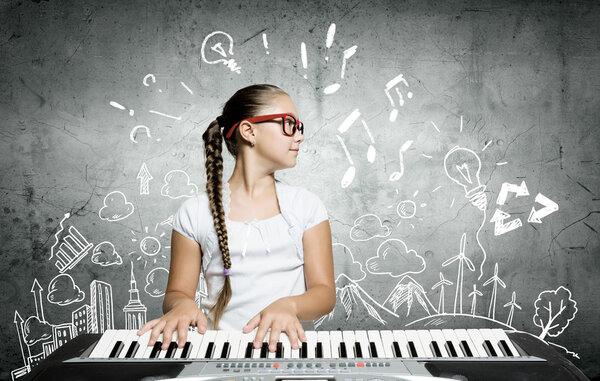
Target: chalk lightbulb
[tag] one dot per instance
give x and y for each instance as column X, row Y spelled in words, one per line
column 463, row 166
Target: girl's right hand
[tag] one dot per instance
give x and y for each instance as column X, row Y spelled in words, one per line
column 184, row 314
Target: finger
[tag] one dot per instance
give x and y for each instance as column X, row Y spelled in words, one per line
column 146, row 327
column 167, row 336
column 261, row 333
column 201, row 322
column 293, row 336
column 252, row 323
column 274, row 337
column 301, row 333
column 156, row 330
column 182, row 332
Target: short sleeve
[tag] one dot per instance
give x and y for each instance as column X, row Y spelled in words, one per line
column 314, row 210
column 186, row 219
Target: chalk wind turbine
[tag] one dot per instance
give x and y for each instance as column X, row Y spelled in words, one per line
column 497, row 281
column 443, row 282
column 462, row 259
column 512, row 304
column 474, row 294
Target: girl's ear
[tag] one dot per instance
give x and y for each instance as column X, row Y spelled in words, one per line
column 247, row 131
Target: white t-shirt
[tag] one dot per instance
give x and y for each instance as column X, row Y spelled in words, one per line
column 266, row 263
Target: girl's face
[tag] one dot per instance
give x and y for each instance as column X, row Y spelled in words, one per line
column 271, row 143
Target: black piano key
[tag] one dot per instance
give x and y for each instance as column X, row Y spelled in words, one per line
column 450, row 348
column 412, row 350
column 118, row 347
column 171, row 350
column 249, row 349
column 225, row 351
column 505, row 348
column 373, row 350
column 489, row 348
column 396, row 348
column 319, row 352
column 155, row 350
column 264, row 350
column 279, row 351
column 435, row 349
column 209, row 350
column 343, row 353
column 304, row 351
column 133, row 348
column 465, row 348
column 187, row 348
column 357, row 350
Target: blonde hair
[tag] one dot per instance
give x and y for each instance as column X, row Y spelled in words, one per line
column 245, row 103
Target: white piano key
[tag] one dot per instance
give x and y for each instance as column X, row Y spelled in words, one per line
column 349, row 340
column 501, row 335
column 208, row 337
column 103, row 343
column 488, row 335
column 220, row 339
column 477, row 341
column 271, row 355
column 163, row 352
column 402, row 339
column 149, row 349
column 195, row 338
column 179, row 351
column 361, row 337
column 287, row 346
column 387, row 342
column 440, row 340
column 143, row 342
column 121, row 336
column 335, row 338
column 375, row 337
column 463, row 335
column 311, row 343
column 128, row 339
column 425, row 338
column 413, row 336
column 323, row 338
column 234, row 343
column 244, row 340
column 450, row 336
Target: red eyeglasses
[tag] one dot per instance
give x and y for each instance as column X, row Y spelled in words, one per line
column 289, row 124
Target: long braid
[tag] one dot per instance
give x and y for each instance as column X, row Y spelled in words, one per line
column 213, row 147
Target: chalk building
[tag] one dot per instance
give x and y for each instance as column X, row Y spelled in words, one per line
column 101, row 304
column 82, row 320
column 135, row 311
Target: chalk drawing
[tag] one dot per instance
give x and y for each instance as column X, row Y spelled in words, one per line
column 144, row 176
column 150, row 245
column 134, row 132
column 351, row 171
column 462, row 259
column 135, row 310
column 36, row 290
column 443, row 282
column 554, row 310
column 501, row 227
column 368, row 226
column 392, row 85
column 105, row 254
column 101, row 313
column 463, row 166
column 473, row 295
column 495, row 280
column 487, row 144
column 265, row 43
column 329, row 40
column 352, row 269
column 36, row 330
column 395, row 259
column 518, row 190
column 63, row 291
column 217, row 47
column 18, row 320
column 165, row 115
column 151, row 77
column 371, row 151
column 435, row 126
column 72, row 247
column 349, row 121
column 178, row 184
column 398, row 175
column 116, row 207
column 549, row 207
column 303, row 57
column 121, row 107
column 512, row 304
column 330, row 89
column 406, row 209
column 186, row 87
column 156, row 282
column 406, row 291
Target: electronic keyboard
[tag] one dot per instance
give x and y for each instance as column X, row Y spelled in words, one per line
column 464, row 354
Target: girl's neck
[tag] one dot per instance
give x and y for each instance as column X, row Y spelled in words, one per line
column 249, row 181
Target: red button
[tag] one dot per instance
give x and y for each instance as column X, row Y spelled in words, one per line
column 275, row 365
column 360, row 364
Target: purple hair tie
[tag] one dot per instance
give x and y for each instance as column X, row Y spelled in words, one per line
column 226, row 272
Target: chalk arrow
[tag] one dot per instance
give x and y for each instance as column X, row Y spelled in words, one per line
column 36, row 289
column 549, row 207
column 144, row 176
column 518, row 190
column 500, row 227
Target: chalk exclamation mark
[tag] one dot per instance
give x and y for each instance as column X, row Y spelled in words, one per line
column 304, row 58
column 265, row 43
column 329, row 40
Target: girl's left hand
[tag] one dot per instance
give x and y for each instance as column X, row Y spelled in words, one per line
column 279, row 316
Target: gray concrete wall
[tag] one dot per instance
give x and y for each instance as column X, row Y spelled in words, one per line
column 514, row 84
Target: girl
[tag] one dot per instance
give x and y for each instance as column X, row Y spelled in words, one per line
column 264, row 247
